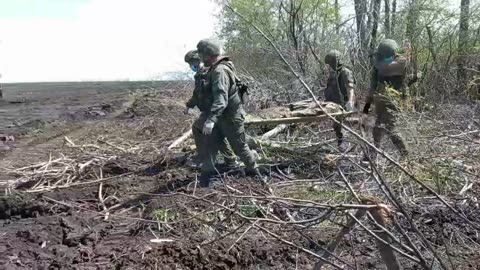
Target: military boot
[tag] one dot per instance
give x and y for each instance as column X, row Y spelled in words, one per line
column 342, row 146
column 230, row 165
column 206, row 178
column 368, row 155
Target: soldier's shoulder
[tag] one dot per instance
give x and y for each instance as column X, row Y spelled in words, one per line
column 347, row 69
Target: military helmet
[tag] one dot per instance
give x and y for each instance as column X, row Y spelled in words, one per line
column 332, row 58
column 192, row 56
column 387, row 48
column 208, row 47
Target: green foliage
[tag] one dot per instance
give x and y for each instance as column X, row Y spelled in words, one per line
column 304, row 30
column 441, row 174
column 163, row 215
column 250, row 210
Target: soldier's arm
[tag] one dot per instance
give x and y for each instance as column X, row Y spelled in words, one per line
column 373, row 85
column 349, row 84
column 220, row 82
column 193, row 101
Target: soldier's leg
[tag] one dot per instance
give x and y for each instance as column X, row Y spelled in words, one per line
column 234, row 131
column 227, row 153
column 199, row 138
column 381, row 114
column 212, row 143
column 394, row 135
column 386, row 110
column 337, row 127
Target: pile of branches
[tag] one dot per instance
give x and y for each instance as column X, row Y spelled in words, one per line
column 78, row 165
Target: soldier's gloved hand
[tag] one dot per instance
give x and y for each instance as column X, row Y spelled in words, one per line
column 366, row 108
column 349, row 106
column 208, row 127
column 188, row 111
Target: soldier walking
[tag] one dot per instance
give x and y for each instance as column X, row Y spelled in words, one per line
column 340, row 90
column 389, row 72
column 200, row 100
column 225, row 116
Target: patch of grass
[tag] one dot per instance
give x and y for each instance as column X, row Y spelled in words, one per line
column 440, row 174
column 313, row 193
column 250, row 210
column 163, row 215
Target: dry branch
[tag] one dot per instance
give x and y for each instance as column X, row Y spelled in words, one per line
column 181, row 139
column 334, row 243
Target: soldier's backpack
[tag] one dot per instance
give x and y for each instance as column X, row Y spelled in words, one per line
column 241, row 87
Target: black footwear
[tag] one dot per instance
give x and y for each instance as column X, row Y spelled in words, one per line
column 205, row 179
column 232, row 165
column 228, row 166
column 369, row 155
column 342, row 147
column 253, row 172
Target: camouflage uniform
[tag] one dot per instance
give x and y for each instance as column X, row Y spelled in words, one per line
column 225, row 111
column 197, row 101
column 340, row 82
column 389, row 70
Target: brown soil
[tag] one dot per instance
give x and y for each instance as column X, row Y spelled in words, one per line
column 66, row 229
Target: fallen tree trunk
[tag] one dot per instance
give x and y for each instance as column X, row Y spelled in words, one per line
column 274, row 132
column 281, row 122
column 293, row 120
column 182, row 138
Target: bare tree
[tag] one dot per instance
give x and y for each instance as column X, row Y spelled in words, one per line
column 412, row 17
column 394, row 17
column 462, row 44
column 296, row 30
column 360, row 15
column 337, row 17
column 375, row 15
column 387, row 19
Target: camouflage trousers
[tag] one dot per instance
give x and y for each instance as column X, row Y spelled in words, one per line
column 201, row 142
column 337, row 127
column 233, row 130
column 385, row 110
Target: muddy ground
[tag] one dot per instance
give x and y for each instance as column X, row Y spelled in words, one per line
column 69, row 228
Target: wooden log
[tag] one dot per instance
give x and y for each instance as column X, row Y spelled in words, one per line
column 276, row 121
column 274, row 132
column 293, row 120
column 182, row 138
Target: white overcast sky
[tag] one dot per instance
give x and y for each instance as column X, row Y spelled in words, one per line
column 79, row 40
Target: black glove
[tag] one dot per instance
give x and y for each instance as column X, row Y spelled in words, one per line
column 366, row 108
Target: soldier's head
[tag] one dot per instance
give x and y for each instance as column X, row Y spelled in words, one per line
column 332, row 58
column 193, row 60
column 208, row 51
column 387, row 50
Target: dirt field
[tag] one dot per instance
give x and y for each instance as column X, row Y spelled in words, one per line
column 107, row 187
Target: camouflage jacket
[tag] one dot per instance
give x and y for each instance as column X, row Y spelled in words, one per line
column 219, row 92
column 337, row 85
column 393, row 74
column 195, row 100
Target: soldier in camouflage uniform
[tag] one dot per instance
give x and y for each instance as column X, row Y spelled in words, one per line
column 389, row 70
column 340, row 90
column 197, row 100
column 225, row 117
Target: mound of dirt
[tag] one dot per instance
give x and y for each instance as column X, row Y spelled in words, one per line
column 79, row 242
